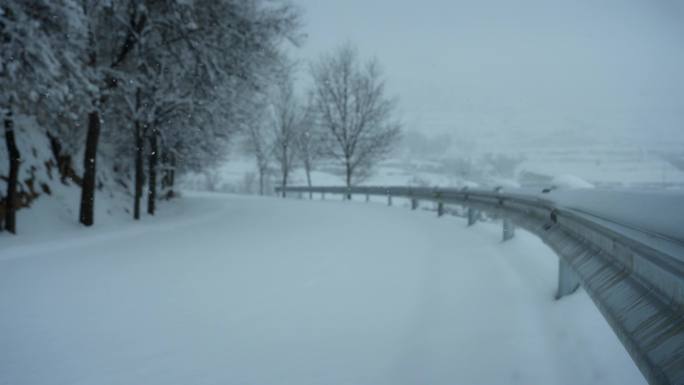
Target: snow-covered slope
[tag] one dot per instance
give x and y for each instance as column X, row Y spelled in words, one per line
column 237, row 290
column 50, row 201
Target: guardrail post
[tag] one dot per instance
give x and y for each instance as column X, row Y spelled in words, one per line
column 367, row 197
column 440, row 209
column 567, row 279
column 389, row 199
column 310, row 195
column 508, row 229
column 414, row 203
column 472, row 216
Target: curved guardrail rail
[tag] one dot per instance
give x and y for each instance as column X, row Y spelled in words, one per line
column 635, row 277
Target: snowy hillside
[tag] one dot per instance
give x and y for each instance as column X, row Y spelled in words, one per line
column 49, row 196
column 221, row 289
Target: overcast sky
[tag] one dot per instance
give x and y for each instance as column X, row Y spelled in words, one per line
column 537, row 69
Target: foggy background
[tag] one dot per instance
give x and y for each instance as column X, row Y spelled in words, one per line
column 501, row 76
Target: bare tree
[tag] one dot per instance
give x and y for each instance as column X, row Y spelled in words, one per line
column 288, row 122
column 309, row 149
column 259, row 146
column 350, row 102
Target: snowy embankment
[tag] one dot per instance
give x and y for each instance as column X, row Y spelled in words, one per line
column 236, row 290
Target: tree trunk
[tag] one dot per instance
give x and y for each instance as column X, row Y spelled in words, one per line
column 139, row 169
column 261, row 182
column 14, row 160
column 173, row 171
column 86, row 215
column 163, row 161
column 307, row 168
column 284, row 184
column 152, row 164
column 170, row 175
column 348, row 178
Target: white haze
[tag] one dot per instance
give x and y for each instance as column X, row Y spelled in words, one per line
column 498, row 73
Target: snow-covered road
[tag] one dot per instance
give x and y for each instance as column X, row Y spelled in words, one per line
column 235, row 290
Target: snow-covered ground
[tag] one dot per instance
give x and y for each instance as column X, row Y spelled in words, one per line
column 220, row 289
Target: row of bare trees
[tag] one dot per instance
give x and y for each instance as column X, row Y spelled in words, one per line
column 346, row 119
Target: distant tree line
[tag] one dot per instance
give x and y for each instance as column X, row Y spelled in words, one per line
column 164, row 85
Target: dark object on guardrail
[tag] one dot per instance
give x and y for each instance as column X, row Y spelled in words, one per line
column 634, row 276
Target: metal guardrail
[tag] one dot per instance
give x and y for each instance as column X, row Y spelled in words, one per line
column 637, row 285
